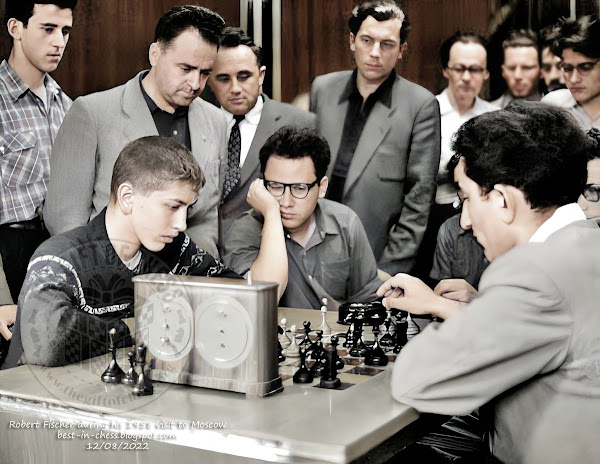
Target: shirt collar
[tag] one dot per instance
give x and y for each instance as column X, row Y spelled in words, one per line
column 383, row 92
column 480, row 106
column 562, row 217
column 17, row 87
column 252, row 116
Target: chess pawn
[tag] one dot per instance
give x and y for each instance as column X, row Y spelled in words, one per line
column 375, row 355
column 339, row 364
column 143, row 386
column 284, row 339
column 329, row 378
column 324, row 327
column 113, row 373
column 303, row 375
column 130, row 377
column 280, row 356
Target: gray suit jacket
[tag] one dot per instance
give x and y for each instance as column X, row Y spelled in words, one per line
column 391, row 180
column 93, row 133
column 529, row 343
column 274, row 116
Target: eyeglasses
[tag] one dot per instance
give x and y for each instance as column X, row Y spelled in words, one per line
column 591, row 192
column 298, row 191
column 460, row 69
column 582, row 68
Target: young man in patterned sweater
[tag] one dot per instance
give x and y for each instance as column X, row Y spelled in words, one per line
column 78, row 284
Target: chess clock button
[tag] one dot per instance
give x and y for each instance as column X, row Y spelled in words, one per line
column 166, row 325
column 224, row 332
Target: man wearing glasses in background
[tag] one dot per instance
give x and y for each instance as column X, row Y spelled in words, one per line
column 325, row 243
column 464, row 64
column 578, row 45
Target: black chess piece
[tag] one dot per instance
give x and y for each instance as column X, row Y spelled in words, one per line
column 306, row 341
column 329, row 378
column 401, row 329
column 375, row 355
column 349, row 341
column 130, row 377
column 359, row 349
column 388, row 338
column 303, row 375
column 339, row 364
column 143, row 386
column 113, row 373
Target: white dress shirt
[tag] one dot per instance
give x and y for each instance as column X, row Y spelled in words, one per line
column 562, row 217
column 248, row 127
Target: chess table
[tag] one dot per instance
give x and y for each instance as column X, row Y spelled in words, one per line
column 67, row 415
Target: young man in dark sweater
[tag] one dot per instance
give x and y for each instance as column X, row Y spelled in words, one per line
column 78, row 284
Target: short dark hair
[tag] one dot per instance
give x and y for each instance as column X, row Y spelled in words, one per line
column 547, row 36
column 582, row 35
column 294, row 142
column 381, row 10
column 181, row 18
column 468, row 37
column 22, row 10
column 234, row 37
column 152, row 163
column 594, row 134
column 536, row 148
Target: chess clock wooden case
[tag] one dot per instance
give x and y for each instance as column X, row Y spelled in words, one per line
column 209, row 332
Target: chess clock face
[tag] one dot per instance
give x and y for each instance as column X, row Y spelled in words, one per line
column 224, row 332
column 166, row 321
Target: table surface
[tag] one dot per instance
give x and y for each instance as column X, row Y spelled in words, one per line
column 301, row 424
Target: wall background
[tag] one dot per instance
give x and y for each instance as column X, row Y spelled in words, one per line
column 110, row 38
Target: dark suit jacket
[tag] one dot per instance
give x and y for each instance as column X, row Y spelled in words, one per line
column 391, row 181
column 274, row 115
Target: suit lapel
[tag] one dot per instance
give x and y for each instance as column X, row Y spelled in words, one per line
column 138, row 120
column 377, row 126
column 333, row 127
column 200, row 140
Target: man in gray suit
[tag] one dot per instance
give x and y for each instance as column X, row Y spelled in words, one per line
column 384, row 133
column 236, row 81
column 528, row 345
column 161, row 101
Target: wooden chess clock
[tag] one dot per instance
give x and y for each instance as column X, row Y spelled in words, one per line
column 209, row 332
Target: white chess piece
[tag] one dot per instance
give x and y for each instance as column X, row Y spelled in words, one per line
column 284, row 339
column 324, row 325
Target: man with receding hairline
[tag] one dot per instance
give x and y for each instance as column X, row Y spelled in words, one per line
column 162, row 101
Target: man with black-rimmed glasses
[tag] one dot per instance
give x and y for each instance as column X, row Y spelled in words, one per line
column 322, row 242
column 464, row 64
column 578, row 45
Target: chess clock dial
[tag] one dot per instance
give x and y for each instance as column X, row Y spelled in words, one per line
column 224, row 332
column 167, row 327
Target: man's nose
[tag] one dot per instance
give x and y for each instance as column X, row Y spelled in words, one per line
column 59, row 39
column 287, row 199
column 180, row 220
column 235, row 86
column 465, row 219
column 197, row 80
column 375, row 50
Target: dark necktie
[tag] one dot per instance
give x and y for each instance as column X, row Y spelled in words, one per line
column 232, row 170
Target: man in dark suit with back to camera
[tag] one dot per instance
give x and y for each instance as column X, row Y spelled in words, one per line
column 384, row 133
column 528, row 345
column 162, row 101
column 253, row 117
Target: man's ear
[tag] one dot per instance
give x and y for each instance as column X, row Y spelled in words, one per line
column 15, row 28
column 261, row 74
column 352, row 47
column 323, row 187
column 507, row 200
column 402, row 51
column 125, row 198
column 153, row 53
